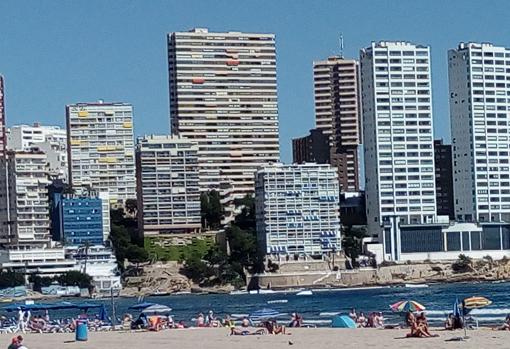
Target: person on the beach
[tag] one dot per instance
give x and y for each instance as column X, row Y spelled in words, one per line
column 422, row 322
column 17, row 343
column 200, row 320
column 211, row 320
column 246, row 322
column 362, row 320
column 272, row 327
column 449, row 323
column 14, row 343
column 244, row 332
column 419, row 327
column 353, row 315
column 228, row 322
column 20, row 343
column 506, row 324
column 296, row 320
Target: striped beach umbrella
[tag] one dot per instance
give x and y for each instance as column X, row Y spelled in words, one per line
column 405, row 306
column 264, row 314
column 476, row 302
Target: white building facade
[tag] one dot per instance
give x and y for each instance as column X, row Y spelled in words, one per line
column 397, row 134
column 25, row 215
column 52, row 140
column 223, row 96
column 479, row 77
column 101, row 149
column 297, row 209
column 168, row 185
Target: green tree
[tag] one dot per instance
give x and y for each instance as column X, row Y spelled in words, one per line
column 75, row 278
column 211, row 209
column 39, row 281
column 131, row 206
column 11, row 279
column 136, row 254
column 246, row 218
column 352, row 242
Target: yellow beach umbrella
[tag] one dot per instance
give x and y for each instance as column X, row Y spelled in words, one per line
column 476, row 302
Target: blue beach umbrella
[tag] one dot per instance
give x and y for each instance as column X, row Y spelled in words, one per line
column 343, row 321
column 264, row 314
column 456, row 308
column 103, row 313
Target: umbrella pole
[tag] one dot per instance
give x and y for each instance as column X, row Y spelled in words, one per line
column 113, row 309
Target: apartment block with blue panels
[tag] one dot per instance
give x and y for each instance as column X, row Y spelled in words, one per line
column 77, row 220
column 297, row 209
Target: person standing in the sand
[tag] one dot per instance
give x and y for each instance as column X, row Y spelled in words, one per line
column 353, row 315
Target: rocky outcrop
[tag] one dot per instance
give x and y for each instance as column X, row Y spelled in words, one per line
column 161, row 277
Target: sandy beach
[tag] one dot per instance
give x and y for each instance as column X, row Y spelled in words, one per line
column 300, row 338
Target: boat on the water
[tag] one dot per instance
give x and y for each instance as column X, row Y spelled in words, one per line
column 416, row 285
column 304, row 293
column 261, row 291
column 277, row 301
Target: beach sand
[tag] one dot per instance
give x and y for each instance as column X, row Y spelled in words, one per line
column 300, row 338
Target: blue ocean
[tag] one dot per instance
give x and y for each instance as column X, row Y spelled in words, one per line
column 319, row 308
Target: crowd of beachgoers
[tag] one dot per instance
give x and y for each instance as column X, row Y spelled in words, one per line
column 416, row 322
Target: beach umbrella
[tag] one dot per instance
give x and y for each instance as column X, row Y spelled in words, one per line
column 103, row 313
column 343, row 321
column 141, row 306
column 456, row 308
column 470, row 303
column 264, row 314
column 475, row 303
column 405, row 306
column 157, row 309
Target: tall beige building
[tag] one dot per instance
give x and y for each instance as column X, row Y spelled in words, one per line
column 101, row 148
column 223, row 96
column 168, row 190
column 337, row 114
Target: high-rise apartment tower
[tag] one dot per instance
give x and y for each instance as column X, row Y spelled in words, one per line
column 397, row 134
column 479, row 76
column 223, row 97
column 337, row 114
column 101, row 149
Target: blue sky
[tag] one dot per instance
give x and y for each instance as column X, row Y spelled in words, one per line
column 57, row 52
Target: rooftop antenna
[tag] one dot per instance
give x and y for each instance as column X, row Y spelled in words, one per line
column 341, row 45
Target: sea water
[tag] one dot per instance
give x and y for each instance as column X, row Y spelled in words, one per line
column 319, row 308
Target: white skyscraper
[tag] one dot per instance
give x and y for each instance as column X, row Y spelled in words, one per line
column 397, row 133
column 101, row 149
column 297, row 209
column 223, row 96
column 479, row 76
column 52, row 140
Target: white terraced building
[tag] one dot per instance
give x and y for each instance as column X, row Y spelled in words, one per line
column 168, row 190
column 479, row 75
column 101, row 149
column 50, row 139
column 397, row 134
column 25, row 233
column 28, row 209
column 223, row 96
column 297, row 209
